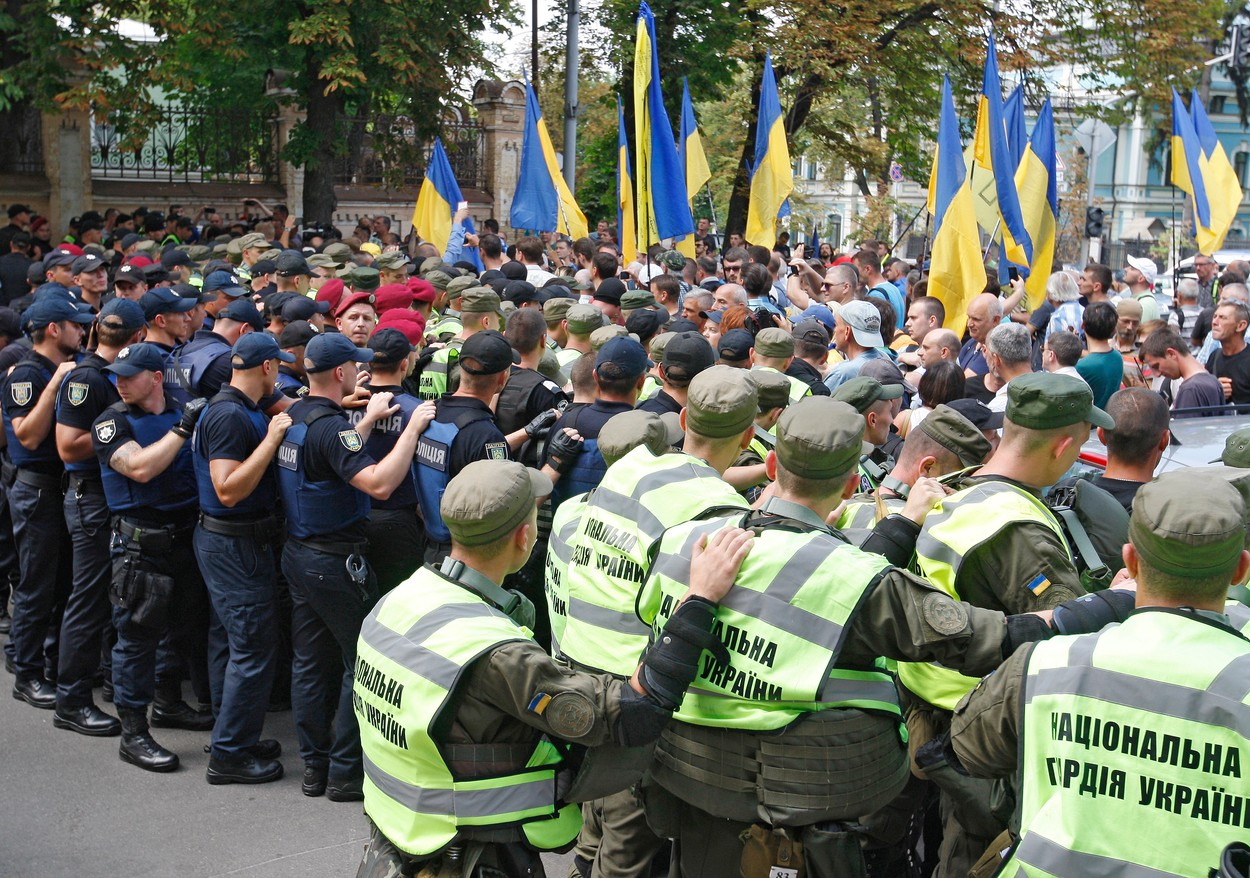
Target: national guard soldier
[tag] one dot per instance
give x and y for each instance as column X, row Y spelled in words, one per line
column 84, row 395
column 749, row 474
column 875, row 401
column 149, row 483
column 292, row 377
column 44, row 550
column 445, row 325
column 464, row 718
column 236, row 543
column 793, row 727
column 1157, row 786
column 479, row 312
column 326, row 480
column 396, row 536
column 774, row 351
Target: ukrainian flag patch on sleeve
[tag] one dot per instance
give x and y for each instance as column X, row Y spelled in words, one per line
column 539, row 703
column 1038, row 584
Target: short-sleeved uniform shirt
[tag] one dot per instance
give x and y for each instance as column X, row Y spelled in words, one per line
column 589, row 420
column 84, row 395
column 327, row 457
column 480, row 440
column 23, row 388
column 225, row 432
column 122, row 433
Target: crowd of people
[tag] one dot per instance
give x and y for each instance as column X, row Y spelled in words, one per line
column 690, row 561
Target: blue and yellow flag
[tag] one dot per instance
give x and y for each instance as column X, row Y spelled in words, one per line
column 663, row 205
column 1017, row 142
column 1036, row 181
column 624, row 191
column 437, row 200
column 772, row 178
column 542, row 201
column 956, row 271
column 1218, row 178
column 1186, row 170
column 993, row 154
column 693, row 160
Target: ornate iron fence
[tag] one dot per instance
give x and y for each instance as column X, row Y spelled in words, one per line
column 182, row 144
column 386, row 151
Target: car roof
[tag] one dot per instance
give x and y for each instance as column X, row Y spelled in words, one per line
column 1195, row 442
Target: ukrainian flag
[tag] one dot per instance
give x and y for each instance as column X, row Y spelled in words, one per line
column 542, row 201
column 693, row 159
column 662, row 200
column 1186, row 170
column 993, row 154
column 1017, row 142
column 1218, row 177
column 437, row 200
column 956, row 272
column 624, row 191
column 1039, row 201
column 772, row 178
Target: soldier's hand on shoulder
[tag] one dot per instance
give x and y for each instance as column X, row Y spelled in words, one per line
column 278, row 426
column 379, row 406
column 715, row 561
column 924, row 495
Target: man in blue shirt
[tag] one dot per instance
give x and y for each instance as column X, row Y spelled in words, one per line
column 857, row 334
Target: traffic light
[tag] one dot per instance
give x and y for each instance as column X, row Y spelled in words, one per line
column 1241, row 46
column 1093, row 222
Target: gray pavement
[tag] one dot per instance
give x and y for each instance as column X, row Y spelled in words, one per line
column 74, row 808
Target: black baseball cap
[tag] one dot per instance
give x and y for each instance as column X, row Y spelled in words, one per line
column 329, row 350
column 255, row 348
column 626, row 354
column 242, row 311
column 54, row 309
column 488, row 348
column 610, row 290
column 163, row 300
column 86, row 263
column 389, row 346
column 131, row 275
column 296, row 333
column 735, row 345
column 290, row 263
column 688, row 352
column 981, row 415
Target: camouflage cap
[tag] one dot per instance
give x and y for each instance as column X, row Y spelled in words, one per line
column 362, row 279
column 722, row 401
column 672, row 260
column 774, row 389
column 339, row 252
column 956, row 434
column 1236, row 449
column 391, row 260
column 774, row 342
column 605, row 334
column 480, row 300
column 635, row 299
column 440, row 280
column 1048, row 401
column 584, row 319
column 555, row 310
column 457, row 285
column 489, row 499
column 623, row 433
column 1189, row 524
column 861, row 393
column 820, row 438
column 252, row 240
column 321, row 260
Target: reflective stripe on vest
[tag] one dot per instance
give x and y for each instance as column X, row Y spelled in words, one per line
column 567, row 357
column 433, row 381
column 1135, row 747
column 783, row 623
column 958, row 525
column 640, row 496
column 798, row 387
column 413, row 649
column 650, row 388
column 555, row 586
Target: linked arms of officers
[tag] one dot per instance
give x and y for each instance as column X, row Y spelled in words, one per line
column 381, row 478
column 142, row 463
column 235, row 480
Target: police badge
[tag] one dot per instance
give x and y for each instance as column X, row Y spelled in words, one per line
column 106, row 430
column 77, row 393
column 350, row 440
column 22, row 391
column 497, row 450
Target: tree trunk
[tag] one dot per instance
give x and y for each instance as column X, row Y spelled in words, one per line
column 324, row 111
column 740, row 198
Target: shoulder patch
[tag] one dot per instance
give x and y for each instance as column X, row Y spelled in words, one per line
column 77, row 393
column 943, row 614
column 497, row 450
column 1038, row 584
column 552, row 386
column 351, row 440
column 106, row 430
column 570, row 714
column 21, row 391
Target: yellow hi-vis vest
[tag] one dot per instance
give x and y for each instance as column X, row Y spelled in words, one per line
column 961, row 523
column 433, row 381
column 412, row 651
column 798, row 387
column 555, row 584
column 639, row 498
column 783, row 624
column 1135, row 750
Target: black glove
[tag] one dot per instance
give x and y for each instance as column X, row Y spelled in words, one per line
column 562, row 451
column 541, row 424
column 1091, row 612
column 190, row 414
column 671, row 663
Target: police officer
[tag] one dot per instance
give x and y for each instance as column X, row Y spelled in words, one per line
column 395, row 533
column 795, row 720
column 484, row 712
column 292, row 379
column 875, row 401
column 84, row 395
column 168, row 317
column 56, row 328
column 149, row 483
column 1157, row 790
column 235, row 543
column 479, row 312
column 996, row 545
column 224, row 287
column 203, row 363
column 326, row 480
column 528, row 393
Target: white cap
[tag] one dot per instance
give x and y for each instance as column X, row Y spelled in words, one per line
column 1146, row 266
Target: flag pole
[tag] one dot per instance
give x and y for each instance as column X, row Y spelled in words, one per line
column 1175, row 253
column 924, row 244
column 907, row 228
column 993, row 234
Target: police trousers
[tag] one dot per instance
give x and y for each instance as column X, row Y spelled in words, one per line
column 87, row 614
column 44, row 552
column 396, row 545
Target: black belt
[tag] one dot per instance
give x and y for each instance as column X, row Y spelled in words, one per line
column 330, row 547
column 42, row 481
column 263, row 530
column 86, row 483
column 157, row 538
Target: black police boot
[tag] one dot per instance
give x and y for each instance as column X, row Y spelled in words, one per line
column 106, row 690
column 177, row 714
column 246, row 769
column 137, row 746
column 87, row 720
column 35, row 691
column 314, row 780
column 345, row 790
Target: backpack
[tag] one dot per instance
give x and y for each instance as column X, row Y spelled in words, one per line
column 1095, row 526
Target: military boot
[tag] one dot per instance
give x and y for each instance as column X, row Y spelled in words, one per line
column 137, row 746
column 169, row 711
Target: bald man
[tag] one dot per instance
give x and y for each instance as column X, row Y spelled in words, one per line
column 984, row 313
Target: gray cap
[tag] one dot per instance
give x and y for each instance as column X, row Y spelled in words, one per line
column 321, row 260
column 605, row 334
column 440, row 280
column 1188, row 524
column 623, row 433
column 480, row 300
column 390, row 260
column 861, row 393
column 956, row 434
column 722, row 401
column 339, row 252
column 254, row 239
column 774, row 342
column 584, row 319
column 820, row 438
column 458, row 285
column 773, row 387
column 555, row 310
column 488, row 499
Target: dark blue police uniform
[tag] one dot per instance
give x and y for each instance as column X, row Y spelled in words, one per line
column 332, row 587
column 236, row 547
column 290, row 384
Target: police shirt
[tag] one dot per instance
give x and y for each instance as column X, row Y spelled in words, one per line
column 225, row 432
column 22, row 390
column 85, row 393
column 382, row 439
column 113, row 429
column 480, row 440
column 589, row 420
column 290, row 384
column 219, row 372
column 659, row 404
column 327, row 454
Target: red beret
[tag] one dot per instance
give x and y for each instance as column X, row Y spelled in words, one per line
column 391, row 296
column 410, row 323
column 331, row 291
column 354, row 299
